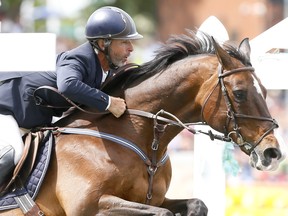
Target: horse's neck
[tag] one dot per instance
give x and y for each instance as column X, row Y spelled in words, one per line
column 178, row 90
column 174, row 90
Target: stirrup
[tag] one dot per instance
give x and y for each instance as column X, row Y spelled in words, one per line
column 6, row 162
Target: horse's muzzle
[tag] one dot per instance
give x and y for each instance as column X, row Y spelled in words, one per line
column 268, row 154
column 267, row 160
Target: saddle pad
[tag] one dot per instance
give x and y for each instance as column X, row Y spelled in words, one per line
column 36, row 178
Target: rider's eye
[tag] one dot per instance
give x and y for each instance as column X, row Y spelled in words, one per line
column 240, row 95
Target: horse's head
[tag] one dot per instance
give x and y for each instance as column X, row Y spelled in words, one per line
column 239, row 98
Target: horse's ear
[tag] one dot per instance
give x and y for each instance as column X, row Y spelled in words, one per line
column 223, row 57
column 244, row 47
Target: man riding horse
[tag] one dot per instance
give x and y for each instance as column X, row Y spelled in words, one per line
column 78, row 76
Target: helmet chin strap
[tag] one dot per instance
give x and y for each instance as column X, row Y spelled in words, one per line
column 105, row 51
column 107, row 43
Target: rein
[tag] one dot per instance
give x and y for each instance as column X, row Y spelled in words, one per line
column 175, row 122
column 159, row 129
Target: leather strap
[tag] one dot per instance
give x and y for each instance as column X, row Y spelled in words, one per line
column 28, row 206
column 35, row 211
column 151, row 115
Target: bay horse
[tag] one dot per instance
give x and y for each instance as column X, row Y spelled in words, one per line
column 126, row 170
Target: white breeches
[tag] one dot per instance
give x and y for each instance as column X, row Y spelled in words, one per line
column 10, row 134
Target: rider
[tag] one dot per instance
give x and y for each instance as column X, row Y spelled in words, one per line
column 79, row 75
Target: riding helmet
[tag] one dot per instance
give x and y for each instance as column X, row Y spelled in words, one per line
column 111, row 23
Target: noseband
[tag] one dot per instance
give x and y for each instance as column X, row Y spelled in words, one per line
column 232, row 116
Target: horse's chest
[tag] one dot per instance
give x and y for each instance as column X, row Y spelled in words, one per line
column 139, row 184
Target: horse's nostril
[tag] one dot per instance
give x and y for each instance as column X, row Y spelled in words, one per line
column 272, row 153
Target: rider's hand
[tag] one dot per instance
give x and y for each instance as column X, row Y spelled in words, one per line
column 117, row 106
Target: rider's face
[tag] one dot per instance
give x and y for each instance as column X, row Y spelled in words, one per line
column 119, row 51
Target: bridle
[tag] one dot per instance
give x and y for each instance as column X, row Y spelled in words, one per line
column 232, row 116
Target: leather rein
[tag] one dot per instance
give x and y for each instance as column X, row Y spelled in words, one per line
column 159, row 129
column 173, row 120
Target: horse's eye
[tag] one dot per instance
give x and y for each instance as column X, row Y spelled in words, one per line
column 240, row 95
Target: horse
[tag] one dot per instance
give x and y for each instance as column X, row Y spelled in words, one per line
column 126, row 170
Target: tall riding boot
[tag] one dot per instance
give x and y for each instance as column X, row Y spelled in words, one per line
column 6, row 162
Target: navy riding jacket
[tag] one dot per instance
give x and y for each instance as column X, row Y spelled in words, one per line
column 78, row 76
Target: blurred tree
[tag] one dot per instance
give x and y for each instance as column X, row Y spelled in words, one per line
column 11, row 9
column 143, row 12
column 40, row 22
column 10, row 15
column 146, row 8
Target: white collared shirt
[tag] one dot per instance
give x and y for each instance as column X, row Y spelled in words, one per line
column 104, row 76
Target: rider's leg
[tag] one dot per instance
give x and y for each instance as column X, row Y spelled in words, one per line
column 11, row 145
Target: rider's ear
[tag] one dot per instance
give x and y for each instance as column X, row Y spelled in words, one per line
column 101, row 44
column 244, row 48
column 223, row 57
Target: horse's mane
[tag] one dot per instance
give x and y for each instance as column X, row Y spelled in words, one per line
column 176, row 48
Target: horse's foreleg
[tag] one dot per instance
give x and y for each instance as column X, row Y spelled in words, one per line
column 111, row 205
column 191, row 207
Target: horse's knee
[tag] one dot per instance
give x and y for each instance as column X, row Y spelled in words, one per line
column 197, row 207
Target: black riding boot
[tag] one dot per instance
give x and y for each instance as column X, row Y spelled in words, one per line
column 6, row 162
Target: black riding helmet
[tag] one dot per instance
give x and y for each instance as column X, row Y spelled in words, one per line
column 110, row 23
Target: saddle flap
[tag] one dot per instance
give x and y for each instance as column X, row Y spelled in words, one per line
column 32, row 141
column 37, row 138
